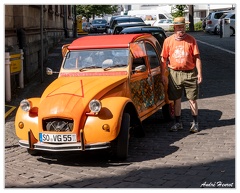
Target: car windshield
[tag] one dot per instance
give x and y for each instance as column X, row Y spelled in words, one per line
column 99, row 22
column 103, row 58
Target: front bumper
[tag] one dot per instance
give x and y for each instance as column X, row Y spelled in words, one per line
column 65, row 147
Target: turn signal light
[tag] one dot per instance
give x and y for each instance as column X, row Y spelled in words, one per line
column 21, row 125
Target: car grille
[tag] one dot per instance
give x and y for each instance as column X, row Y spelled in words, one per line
column 58, row 125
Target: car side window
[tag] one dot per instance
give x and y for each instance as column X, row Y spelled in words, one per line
column 152, row 56
column 137, row 62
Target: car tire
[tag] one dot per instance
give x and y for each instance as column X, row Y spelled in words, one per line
column 215, row 31
column 232, row 31
column 33, row 152
column 168, row 111
column 123, row 137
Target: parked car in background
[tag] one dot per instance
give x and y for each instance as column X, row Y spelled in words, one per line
column 157, row 32
column 212, row 21
column 126, row 19
column 119, row 27
column 98, row 26
column 113, row 17
column 166, row 24
column 231, row 17
column 106, row 87
column 86, row 26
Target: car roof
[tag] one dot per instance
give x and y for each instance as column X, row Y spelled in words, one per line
column 103, row 41
column 127, row 17
column 131, row 24
column 142, row 29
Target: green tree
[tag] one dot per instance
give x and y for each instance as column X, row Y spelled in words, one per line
column 90, row 11
column 178, row 10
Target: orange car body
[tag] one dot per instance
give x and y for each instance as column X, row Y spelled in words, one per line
column 61, row 119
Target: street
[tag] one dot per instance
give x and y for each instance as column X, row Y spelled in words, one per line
column 161, row 159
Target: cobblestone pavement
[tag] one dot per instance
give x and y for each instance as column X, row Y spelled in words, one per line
column 161, row 159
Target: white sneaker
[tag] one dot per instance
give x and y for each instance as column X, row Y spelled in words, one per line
column 176, row 127
column 194, row 128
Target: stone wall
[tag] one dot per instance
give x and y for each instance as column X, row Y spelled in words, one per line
column 23, row 31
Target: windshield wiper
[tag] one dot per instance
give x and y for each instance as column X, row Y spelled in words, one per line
column 113, row 66
column 88, row 67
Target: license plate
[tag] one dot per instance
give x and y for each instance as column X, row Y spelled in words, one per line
column 57, row 138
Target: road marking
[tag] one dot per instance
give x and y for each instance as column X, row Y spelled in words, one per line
column 231, row 52
column 8, row 110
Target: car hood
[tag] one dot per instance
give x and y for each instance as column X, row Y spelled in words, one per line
column 68, row 96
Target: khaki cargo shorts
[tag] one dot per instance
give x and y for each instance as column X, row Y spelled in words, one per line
column 183, row 81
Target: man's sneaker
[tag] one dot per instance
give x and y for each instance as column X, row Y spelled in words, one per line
column 194, row 128
column 176, row 127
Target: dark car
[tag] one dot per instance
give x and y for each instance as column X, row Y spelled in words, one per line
column 118, row 28
column 115, row 16
column 157, row 32
column 98, row 26
column 127, row 19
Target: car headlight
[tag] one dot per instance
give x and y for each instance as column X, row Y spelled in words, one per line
column 95, row 106
column 25, row 105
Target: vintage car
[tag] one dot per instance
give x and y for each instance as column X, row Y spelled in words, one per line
column 105, row 88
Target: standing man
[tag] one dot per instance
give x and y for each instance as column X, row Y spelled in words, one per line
column 180, row 54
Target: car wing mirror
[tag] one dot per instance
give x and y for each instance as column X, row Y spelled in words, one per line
column 49, row 71
column 141, row 68
column 64, row 49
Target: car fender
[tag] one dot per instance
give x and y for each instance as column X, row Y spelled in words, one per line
column 28, row 119
column 106, row 125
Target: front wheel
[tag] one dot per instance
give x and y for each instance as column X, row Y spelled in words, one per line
column 33, row 152
column 168, row 111
column 123, row 137
column 232, row 31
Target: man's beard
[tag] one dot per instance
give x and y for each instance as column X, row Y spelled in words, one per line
column 180, row 35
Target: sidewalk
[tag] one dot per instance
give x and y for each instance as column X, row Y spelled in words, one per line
column 36, row 86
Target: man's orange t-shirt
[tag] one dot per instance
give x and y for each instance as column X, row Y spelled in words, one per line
column 180, row 52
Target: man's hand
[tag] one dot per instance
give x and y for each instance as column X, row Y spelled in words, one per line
column 164, row 80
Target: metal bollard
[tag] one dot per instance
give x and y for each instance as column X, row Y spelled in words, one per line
column 21, row 77
column 7, row 77
column 13, row 65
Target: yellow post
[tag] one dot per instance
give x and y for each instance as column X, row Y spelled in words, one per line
column 79, row 25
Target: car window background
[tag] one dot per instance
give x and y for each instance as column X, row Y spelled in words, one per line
column 152, row 56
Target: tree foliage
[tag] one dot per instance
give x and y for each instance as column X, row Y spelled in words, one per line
column 90, row 11
column 178, row 10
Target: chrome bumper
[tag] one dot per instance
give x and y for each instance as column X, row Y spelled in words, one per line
column 65, row 147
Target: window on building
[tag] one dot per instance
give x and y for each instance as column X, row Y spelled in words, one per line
column 69, row 11
column 56, row 10
column 61, row 10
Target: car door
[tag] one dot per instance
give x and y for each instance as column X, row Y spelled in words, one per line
column 155, row 73
column 141, row 85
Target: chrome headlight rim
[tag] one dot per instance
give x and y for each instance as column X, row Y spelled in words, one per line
column 25, row 105
column 95, row 106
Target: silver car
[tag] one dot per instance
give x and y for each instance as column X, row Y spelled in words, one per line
column 212, row 21
column 230, row 16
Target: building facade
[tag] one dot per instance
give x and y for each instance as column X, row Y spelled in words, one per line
column 26, row 26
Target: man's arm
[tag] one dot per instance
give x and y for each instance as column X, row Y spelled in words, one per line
column 199, row 68
column 164, row 70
